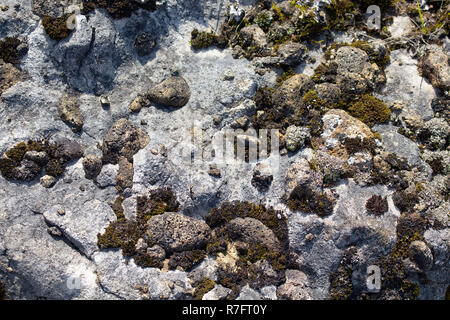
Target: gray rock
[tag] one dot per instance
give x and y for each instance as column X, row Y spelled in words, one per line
column 156, row 252
column 291, row 91
column 250, row 230
column 172, row 92
column 296, row 137
column 291, row 54
column 253, row 36
column 248, row 293
column 217, row 293
column 176, row 232
column 108, row 175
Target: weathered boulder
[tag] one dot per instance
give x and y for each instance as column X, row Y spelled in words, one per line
column 176, row 232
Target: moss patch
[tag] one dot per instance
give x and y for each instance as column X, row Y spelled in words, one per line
column 118, row 8
column 248, row 255
column 203, row 287
column 341, row 287
column 370, row 110
column 202, row 39
column 56, row 28
column 304, row 199
column 186, row 259
column 124, row 233
column 10, row 50
column 377, row 205
column 14, row 166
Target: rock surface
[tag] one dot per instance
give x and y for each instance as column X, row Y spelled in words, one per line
column 128, row 108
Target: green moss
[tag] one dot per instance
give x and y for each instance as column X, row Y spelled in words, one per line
column 307, row 26
column 186, row 260
column 201, row 40
column 13, row 157
column 17, row 152
column 56, row 28
column 118, row 8
column 312, row 99
column 54, row 168
column 370, row 110
column 157, row 202
column 337, row 11
column 203, row 287
column 341, row 286
column 278, row 14
column 264, row 20
column 9, row 50
column 304, row 199
column 118, row 208
column 111, row 238
column 288, row 73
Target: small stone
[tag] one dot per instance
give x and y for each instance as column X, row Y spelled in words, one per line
column 70, row 113
column 241, row 122
column 229, row 75
column 61, row 211
column 156, row 252
column 175, row 232
column 54, row 231
column 48, row 181
column 92, row 166
column 214, row 171
column 421, row 255
column 154, row 151
column 104, row 100
column 296, row 137
column 141, row 245
column 123, row 139
column 139, row 103
column 172, row 92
